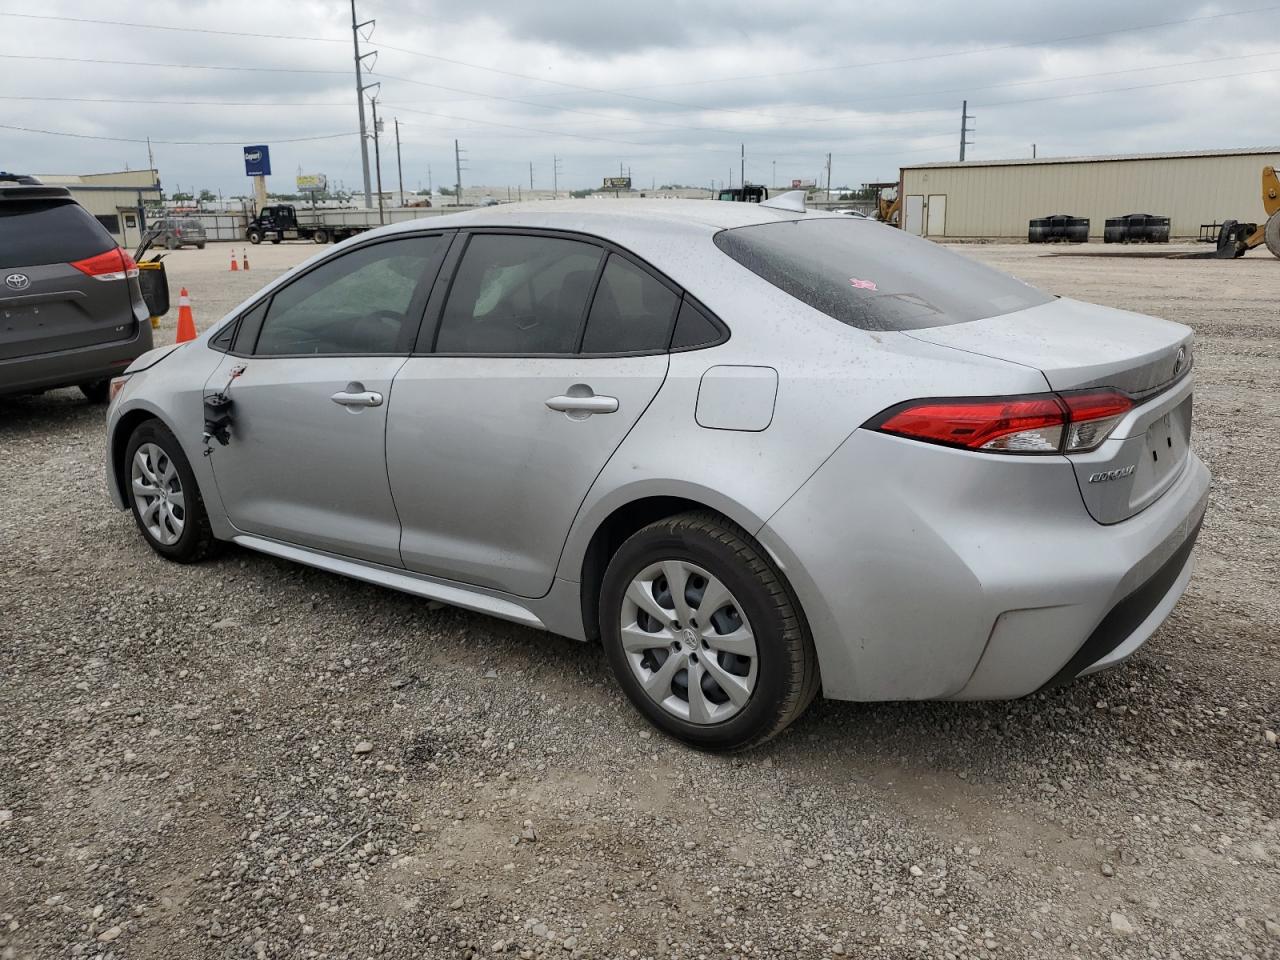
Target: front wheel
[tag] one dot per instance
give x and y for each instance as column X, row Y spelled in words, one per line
column 164, row 496
column 254, row 237
column 320, row 236
column 1272, row 233
column 704, row 636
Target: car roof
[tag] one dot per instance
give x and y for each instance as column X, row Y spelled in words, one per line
column 611, row 217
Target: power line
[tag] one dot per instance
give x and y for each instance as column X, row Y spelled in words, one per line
column 181, row 103
column 186, row 143
column 174, row 66
column 158, row 26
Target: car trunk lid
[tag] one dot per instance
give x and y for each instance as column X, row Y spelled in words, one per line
column 1078, row 346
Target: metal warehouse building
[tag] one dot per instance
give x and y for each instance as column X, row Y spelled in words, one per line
column 996, row 198
column 116, row 199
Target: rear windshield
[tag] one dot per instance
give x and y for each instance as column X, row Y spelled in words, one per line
column 190, row 224
column 36, row 232
column 874, row 277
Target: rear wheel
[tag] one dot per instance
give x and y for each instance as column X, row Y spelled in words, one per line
column 95, row 391
column 1272, row 234
column 162, row 491
column 320, row 236
column 275, row 238
column 703, row 635
column 200, row 245
column 171, row 243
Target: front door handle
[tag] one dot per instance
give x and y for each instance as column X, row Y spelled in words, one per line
column 357, row 398
column 583, row 405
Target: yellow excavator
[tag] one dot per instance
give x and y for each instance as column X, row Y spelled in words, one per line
column 1235, row 239
column 888, row 202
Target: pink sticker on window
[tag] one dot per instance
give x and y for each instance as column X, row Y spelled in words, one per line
column 862, row 284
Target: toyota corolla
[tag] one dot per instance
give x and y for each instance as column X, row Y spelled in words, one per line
column 757, row 452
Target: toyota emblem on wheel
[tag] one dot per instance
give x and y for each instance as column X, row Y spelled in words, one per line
column 17, row 281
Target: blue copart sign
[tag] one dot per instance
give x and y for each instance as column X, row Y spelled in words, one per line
column 257, row 161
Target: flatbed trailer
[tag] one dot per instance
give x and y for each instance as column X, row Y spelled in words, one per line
column 283, row 221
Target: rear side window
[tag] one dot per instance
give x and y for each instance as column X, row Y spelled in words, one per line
column 518, row 294
column 631, row 311
column 33, row 233
column 874, row 277
column 694, row 329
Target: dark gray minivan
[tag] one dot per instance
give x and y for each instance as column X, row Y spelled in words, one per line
column 71, row 309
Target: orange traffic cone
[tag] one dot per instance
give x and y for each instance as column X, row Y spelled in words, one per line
column 186, row 322
column 244, row 256
column 234, row 265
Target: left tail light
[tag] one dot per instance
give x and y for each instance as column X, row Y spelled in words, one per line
column 112, row 265
column 1037, row 423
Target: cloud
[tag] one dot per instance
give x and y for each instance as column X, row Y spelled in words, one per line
column 669, row 88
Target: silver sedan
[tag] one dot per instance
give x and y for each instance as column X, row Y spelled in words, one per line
column 754, row 451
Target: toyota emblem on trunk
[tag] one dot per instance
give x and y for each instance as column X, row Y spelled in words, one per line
column 17, row 281
column 1180, row 361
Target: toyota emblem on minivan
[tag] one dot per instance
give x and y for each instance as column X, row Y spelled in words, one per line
column 17, row 281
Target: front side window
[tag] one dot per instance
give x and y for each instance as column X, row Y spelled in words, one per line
column 874, row 277
column 358, row 303
column 518, row 294
column 631, row 311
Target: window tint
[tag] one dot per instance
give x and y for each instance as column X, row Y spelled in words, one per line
column 631, row 311
column 518, row 294
column 37, row 232
column 874, row 277
column 694, row 329
column 356, row 303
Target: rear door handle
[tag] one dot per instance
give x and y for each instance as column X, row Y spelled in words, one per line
column 585, row 405
column 362, row 398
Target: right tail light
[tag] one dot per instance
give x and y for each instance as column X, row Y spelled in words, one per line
column 1067, row 422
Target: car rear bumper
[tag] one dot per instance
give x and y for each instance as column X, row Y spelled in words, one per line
column 66, row 368
column 930, row 573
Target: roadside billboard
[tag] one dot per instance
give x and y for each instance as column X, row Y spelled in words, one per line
column 257, row 161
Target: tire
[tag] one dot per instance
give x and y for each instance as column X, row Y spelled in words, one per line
column 254, row 237
column 775, row 680
column 320, row 236
column 1272, row 234
column 276, row 238
column 199, row 246
column 171, row 243
column 96, row 391
column 167, row 464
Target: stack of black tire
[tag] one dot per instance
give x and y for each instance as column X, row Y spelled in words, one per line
column 1136, row 228
column 1058, row 228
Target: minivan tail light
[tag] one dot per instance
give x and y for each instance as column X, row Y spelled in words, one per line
column 1039, row 423
column 112, row 265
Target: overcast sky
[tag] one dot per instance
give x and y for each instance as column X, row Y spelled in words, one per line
column 666, row 88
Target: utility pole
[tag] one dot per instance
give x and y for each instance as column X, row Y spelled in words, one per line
column 430, row 189
column 457, row 162
column 828, row 178
column 399, row 169
column 774, row 178
column 965, row 129
column 555, row 177
column 742, row 177
column 530, row 176
column 360, row 88
column 377, row 154
column 1033, row 151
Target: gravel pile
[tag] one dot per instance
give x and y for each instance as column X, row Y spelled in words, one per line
column 249, row 759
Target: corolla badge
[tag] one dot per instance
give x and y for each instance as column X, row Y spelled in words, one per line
column 1115, row 474
column 17, row 281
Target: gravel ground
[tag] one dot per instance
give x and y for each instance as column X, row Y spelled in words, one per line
column 252, row 759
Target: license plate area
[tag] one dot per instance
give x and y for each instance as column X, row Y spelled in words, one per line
column 1167, row 441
